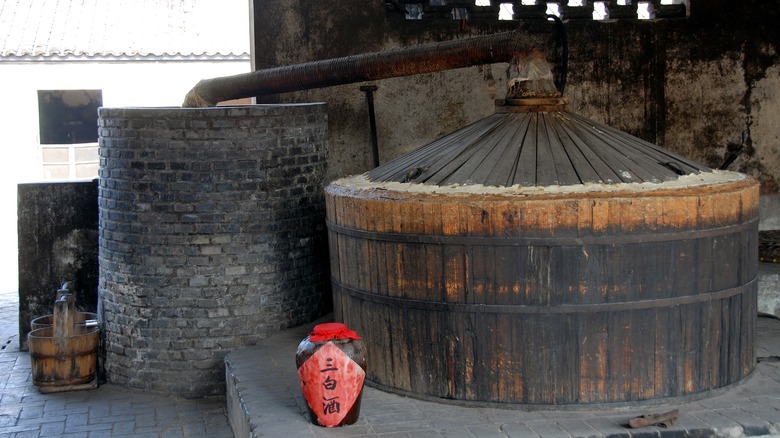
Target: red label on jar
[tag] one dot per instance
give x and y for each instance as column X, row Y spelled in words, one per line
column 331, row 383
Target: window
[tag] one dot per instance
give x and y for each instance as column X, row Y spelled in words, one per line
column 414, row 11
column 523, row 9
column 68, row 132
column 600, row 11
column 460, row 14
column 553, row 9
column 506, row 11
column 645, row 11
column 68, row 116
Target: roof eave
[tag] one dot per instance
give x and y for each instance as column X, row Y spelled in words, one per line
column 167, row 57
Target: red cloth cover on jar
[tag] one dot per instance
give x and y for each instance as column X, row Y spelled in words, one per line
column 330, row 331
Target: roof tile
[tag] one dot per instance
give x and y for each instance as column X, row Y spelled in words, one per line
column 123, row 28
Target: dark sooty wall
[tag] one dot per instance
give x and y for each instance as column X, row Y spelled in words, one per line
column 695, row 85
column 58, row 228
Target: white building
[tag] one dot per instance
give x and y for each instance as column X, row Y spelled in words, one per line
column 62, row 59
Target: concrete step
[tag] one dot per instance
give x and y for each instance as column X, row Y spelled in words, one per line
column 264, row 399
column 769, row 288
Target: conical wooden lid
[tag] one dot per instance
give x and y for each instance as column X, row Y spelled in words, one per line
column 540, row 145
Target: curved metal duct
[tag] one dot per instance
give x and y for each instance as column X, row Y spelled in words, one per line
column 426, row 58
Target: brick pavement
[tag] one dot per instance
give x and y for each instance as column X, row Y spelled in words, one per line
column 270, row 405
column 108, row 411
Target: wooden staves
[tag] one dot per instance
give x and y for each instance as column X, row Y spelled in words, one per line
column 536, row 142
column 64, row 353
column 550, row 298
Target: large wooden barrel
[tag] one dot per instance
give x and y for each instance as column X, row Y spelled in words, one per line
column 549, row 296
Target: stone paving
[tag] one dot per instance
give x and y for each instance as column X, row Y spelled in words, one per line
column 108, row 411
column 269, row 404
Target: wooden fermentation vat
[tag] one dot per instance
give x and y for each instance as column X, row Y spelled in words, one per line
column 606, row 270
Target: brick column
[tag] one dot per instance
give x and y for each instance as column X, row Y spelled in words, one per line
column 212, row 237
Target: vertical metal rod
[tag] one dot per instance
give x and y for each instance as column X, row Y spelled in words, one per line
column 369, row 90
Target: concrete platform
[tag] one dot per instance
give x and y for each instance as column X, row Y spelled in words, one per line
column 769, row 288
column 264, row 400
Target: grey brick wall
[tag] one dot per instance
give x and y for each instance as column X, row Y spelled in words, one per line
column 212, row 237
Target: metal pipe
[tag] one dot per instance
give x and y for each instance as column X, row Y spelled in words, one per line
column 369, row 90
column 426, row 58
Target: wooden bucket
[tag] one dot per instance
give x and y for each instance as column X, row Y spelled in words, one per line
column 48, row 320
column 63, row 362
column 64, row 354
column 548, row 298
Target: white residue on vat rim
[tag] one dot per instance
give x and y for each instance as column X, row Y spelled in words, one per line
column 714, row 177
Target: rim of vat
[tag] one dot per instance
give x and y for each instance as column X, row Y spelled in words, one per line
column 378, row 189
